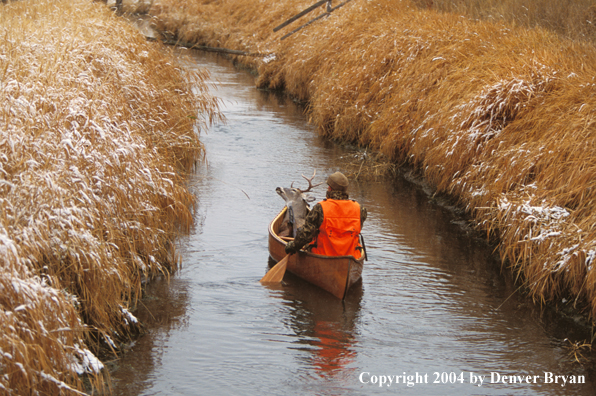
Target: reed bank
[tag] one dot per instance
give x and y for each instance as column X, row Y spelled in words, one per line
column 502, row 118
column 98, row 131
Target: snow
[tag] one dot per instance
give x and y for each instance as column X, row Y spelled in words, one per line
column 129, row 317
column 546, row 221
column 550, row 226
column 80, row 177
column 85, row 362
column 269, row 58
column 61, row 384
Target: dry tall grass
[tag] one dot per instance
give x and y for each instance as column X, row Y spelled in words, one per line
column 502, row 117
column 575, row 19
column 97, row 133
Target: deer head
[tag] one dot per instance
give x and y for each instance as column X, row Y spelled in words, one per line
column 297, row 202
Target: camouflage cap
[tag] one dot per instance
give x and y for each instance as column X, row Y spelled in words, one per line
column 338, row 181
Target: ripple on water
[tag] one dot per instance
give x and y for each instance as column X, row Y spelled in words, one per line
column 431, row 298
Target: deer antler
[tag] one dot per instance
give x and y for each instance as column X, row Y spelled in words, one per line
column 310, row 185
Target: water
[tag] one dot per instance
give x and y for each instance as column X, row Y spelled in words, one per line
column 433, row 307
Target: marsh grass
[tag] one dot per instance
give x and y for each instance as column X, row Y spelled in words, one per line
column 98, row 130
column 575, row 19
column 577, row 351
column 499, row 116
column 130, row 6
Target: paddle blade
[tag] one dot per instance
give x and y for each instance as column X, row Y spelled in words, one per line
column 276, row 274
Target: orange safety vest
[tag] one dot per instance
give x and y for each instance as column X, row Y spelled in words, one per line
column 338, row 235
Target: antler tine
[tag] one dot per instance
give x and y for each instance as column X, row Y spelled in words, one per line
column 310, row 185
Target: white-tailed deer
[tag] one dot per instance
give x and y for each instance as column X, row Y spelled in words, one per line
column 297, row 204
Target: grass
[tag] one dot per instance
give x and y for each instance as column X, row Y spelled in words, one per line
column 572, row 19
column 498, row 115
column 98, row 130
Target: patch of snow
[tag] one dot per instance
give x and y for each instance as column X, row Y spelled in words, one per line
column 269, row 58
column 129, row 317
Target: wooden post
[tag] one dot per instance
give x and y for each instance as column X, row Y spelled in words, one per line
column 316, row 19
column 301, row 14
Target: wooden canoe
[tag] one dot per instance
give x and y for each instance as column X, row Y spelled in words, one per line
column 333, row 274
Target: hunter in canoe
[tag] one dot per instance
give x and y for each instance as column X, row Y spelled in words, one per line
column 333, row 225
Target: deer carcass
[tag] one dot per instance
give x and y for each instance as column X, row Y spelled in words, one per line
column 297, row 204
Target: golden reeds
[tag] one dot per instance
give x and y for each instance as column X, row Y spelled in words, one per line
column 573, row 19
column 499, row 116
column 97, row 133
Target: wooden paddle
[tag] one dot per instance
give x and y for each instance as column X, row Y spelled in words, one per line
column 276, row 274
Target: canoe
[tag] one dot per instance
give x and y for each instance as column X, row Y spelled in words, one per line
column 334, row 274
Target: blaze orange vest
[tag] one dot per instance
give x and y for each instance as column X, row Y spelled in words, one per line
column 338, row 235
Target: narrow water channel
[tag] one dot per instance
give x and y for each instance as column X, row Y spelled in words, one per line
column 433, row 308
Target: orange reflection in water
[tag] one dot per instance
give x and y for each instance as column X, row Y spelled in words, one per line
column 333, row 352
column 326, row 324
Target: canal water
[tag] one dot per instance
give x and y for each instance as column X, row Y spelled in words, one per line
column 433, row 315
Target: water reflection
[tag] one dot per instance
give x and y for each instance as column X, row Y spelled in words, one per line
column 324, row 326
column 432, row 298
column 451, row 300
column 163, row 309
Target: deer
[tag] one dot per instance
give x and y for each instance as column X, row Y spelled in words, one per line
column 297, row 204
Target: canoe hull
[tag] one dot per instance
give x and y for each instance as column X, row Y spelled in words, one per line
column 333, row 274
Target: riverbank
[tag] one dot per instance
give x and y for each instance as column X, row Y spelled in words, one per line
column 98, row 131
column 571, row 19
column 499, row 117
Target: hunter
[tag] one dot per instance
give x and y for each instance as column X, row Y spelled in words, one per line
column 333, row 225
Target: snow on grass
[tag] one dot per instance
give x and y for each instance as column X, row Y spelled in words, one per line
column 484, row 108
column 98, row 129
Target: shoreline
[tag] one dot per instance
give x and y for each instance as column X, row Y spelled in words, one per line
column 96, row 143
column 564, row 310
column 460, row 122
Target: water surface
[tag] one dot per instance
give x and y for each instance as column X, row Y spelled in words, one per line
column 433, row 308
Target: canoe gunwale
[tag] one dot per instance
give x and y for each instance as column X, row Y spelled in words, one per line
column 334, row 274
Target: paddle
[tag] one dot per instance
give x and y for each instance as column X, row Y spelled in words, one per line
column 276, row 274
